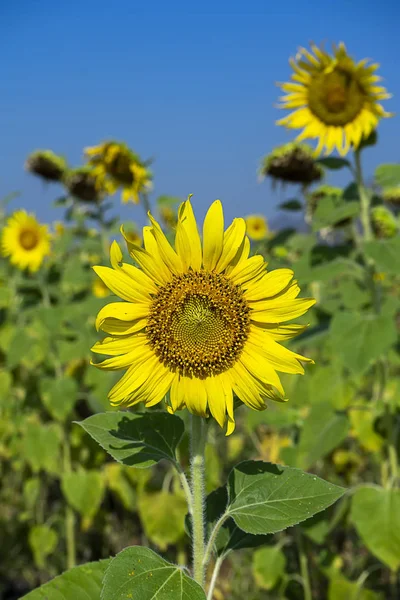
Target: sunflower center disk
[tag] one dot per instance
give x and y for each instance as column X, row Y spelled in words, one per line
column 198, row 324
column 28, row 239
column 336, row 98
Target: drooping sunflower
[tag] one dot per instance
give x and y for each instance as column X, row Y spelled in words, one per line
column 117, row 167
column 257, row 227
column 25, row 241
column 336, row 100
column 198, row 323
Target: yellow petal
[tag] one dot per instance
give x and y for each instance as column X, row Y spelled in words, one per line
column 122, row 311
column 269, row 285
column 216, row 399
column 233, row 242
column 195, row 395
column 249, row 270
column 167, row 253
column 121, row 285
column 133, row 379
column 280, row 311
column 257, row 363
column 149, row 261
column 213, row 235
column 114, row 346
column 187, row 240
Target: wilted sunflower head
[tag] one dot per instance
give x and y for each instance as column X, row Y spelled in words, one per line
column 82, row 184
column 25, row 241
column 384, row 222
column 117, row 166
column 292, row 163
column 336, row 100
column 256, row 227
column 199, row 322
column 46, row 164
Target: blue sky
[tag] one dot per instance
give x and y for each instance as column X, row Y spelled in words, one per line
column 190, row 84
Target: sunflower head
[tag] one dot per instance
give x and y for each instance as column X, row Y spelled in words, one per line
column 335, row 99
column 384, row 222
column 82, row 183
column 292, row 163
column 46, row 164
column 118, row 167
column 200, row 321
column 392, row 195
column 257, row 227
column 25, row 241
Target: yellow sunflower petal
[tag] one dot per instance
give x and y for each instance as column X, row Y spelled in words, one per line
column 213, row 235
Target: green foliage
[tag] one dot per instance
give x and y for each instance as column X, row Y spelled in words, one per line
column 163, row 517
column 84, row 491
column 375, row 513
column 42, row 541
column 268, row 566
column 140, row 573
column 81, row 582
column 265, row 498
column 138, row 440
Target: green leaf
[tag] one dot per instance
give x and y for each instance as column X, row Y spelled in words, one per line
column 266, row 498
column 388, row 175
column 42, row 541
column 359, row 339
column 386, row 254
column 268, row 566
column 138, row 573
column 40, row 447
column 334, row 163
column 58, row 396
column 323, row 431
column 83, row 582
column 163, row 517
column 342, row 589
column 375, row 512
column 84, row 490
column 136, row 439
column 292, row 205
column 331, row 210
column 230, row 537
column 5, row 385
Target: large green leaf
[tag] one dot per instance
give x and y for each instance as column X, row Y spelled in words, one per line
column 388, row 175
column 80, row 583
column 141, row 574
column 342, row 589
column 40, row 446
column 230, row 537
column 375, row 512
column 331, row 210
column 386, row 254
column 266, row 498
column 136, row 439
column 359, row 339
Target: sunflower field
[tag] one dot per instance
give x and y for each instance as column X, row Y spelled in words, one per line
column 208, row 410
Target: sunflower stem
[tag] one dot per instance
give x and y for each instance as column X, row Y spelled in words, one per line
column 365, row 199
column 69, row 513
column 217, row 568
column 198, row 443
column 305, row 575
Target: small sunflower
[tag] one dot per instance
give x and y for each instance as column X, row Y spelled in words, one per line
column 292, row 163
column 257, row 227
column 392, row 195
column 200, row 322
column 336, row 100
column 116, row 166
column 25, row 241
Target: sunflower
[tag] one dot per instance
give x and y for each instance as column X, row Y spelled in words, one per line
column 257, row 227
column 292, row 163
column 46, row 164
column 25, row 241
column 336, row 99
column 198, row 323
column 116, row 166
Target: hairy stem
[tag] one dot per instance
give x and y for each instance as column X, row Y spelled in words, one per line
column 365, row 199
column 214, row 577
column 198, row 442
